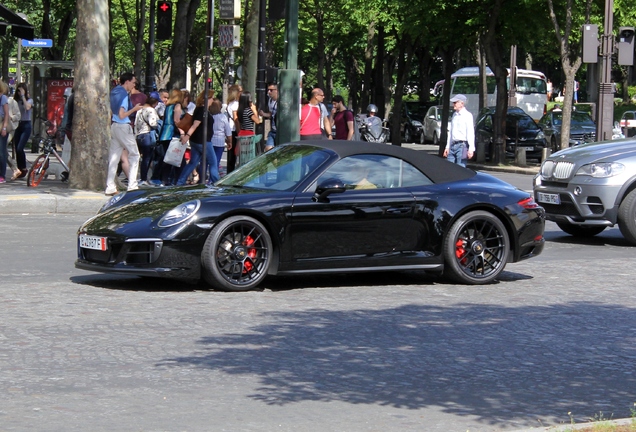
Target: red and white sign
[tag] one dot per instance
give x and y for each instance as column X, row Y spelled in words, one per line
column 55, row 99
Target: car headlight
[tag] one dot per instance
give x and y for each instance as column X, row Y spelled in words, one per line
column 540, row 135
column 179, row 214
column 601, row 170
column 416, row 123
column 111, row 202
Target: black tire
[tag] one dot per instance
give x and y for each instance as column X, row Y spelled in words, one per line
column 422, row 138
column 435, row 139
column 627, row 217
column 580, row 230
column 407, row 135
column 553, row 144
column 476, row 248
column 237, row 254
column 38, row 171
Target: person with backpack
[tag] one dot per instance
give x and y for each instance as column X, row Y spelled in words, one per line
column 342, row 118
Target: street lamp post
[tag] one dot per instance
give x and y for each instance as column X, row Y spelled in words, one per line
column 605, row 113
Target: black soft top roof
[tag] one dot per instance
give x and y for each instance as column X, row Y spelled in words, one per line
column 439, row 170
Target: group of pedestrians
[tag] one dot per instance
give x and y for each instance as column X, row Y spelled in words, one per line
column 148, row 127
column 16, row 122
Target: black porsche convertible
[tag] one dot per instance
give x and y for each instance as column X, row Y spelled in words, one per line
column 319, row 207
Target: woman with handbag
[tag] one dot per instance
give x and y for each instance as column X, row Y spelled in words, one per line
column 197, row 141
column 145, row 125
column 172, row 115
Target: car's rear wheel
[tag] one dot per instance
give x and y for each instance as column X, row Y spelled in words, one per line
column 422, row 137
column 627, row 217
column 580, row 230
column 407, row 135
column 435, row 139
column 237, row 254
column 476, row 248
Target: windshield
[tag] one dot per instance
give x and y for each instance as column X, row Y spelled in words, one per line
column 578, row 119
column 282, row 168
column 525, row 122
column 528, row 85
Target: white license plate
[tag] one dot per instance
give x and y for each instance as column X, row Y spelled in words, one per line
column 528, row 148
column 92, row 242
column 549, row 198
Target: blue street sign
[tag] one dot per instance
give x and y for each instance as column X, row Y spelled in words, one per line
column 38, row 43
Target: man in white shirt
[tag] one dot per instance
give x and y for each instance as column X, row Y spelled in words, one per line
column 460, row 145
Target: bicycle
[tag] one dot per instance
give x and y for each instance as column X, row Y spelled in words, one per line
column 38, row 170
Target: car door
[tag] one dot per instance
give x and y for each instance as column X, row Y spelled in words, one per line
column 373, row 219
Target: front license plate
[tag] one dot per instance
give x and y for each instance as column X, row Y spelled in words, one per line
column 528, row 148
column 92, row 242
column 549, row 198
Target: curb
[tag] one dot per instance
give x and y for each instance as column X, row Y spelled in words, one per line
column 71, row 202
column 601, row 425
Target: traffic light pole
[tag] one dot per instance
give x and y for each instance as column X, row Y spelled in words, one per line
column 605, row 113
column 288, row 115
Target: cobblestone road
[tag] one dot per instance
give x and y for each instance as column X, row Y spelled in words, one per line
column 382, row 352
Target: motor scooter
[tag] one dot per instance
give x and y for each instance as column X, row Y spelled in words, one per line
column 372, row 129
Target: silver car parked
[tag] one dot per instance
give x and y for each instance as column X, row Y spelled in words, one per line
column 433, row 124
column 586, row 188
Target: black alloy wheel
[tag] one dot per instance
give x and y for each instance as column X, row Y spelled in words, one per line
column 476, row 248
column 236, row 256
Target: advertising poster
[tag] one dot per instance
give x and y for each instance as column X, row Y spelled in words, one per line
column 55, row 99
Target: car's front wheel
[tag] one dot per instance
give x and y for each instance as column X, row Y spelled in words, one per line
column 407, row 135
column 627, row 217
column 476, row 248
column 553, row 144
column 237, row 254
column 435, row 139
column 580, row 230
column 422, row 137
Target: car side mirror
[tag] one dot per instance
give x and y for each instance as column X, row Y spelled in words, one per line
column 326, row 188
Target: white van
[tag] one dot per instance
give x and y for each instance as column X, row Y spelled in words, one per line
column 532, row 90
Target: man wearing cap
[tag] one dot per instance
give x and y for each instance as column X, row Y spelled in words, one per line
column 460, row 145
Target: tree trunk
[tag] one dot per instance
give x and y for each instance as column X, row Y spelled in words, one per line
column 365, row 95
column 91, row 121
column 493, row 46
column 570, row 63
column 186, row 12
column 447, row 62
column 405, row 56
column 250, row 48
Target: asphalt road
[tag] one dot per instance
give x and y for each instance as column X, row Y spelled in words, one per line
column 380, row 352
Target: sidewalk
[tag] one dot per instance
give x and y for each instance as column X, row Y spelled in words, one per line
column 53, row 196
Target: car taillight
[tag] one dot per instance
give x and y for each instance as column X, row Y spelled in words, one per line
column 528, row 203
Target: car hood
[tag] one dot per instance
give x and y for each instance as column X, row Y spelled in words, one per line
column 580, row 130
column 146, row 207
column 603, row 151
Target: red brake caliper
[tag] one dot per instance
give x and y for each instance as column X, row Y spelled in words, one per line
column 460, row 250
column 251, row 252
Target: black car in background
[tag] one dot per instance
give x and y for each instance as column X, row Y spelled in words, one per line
column 521, row 131
column 411, row 126
column 582, row 128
